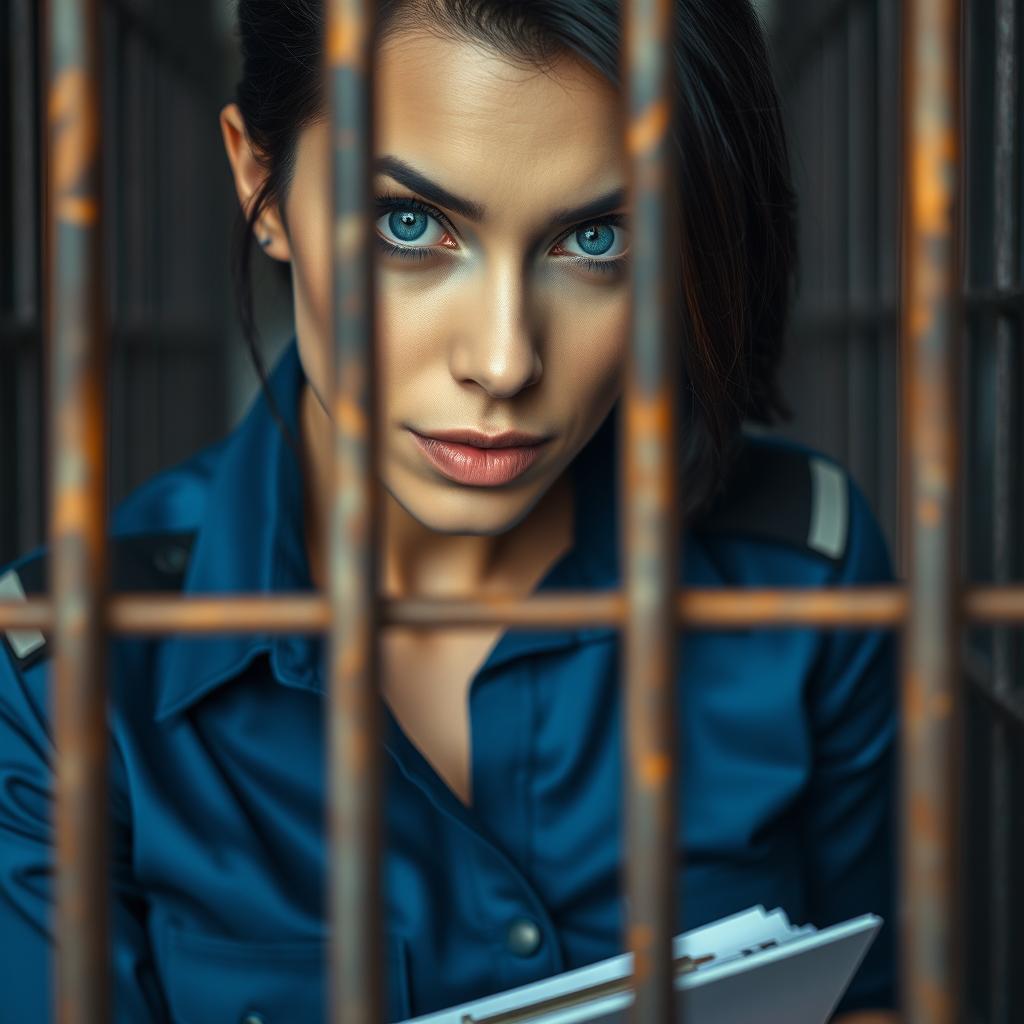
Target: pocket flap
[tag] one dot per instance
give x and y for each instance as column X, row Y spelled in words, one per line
column 211, row 980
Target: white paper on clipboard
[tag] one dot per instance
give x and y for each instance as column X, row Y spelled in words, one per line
column 762, row 969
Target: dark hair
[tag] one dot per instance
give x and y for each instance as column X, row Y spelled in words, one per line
column 736, row 198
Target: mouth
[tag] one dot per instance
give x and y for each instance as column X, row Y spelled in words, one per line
column 469, row 457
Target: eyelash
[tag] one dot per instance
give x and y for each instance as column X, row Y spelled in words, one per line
column 387, row 203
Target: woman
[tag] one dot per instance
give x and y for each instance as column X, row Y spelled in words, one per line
column 503, row 240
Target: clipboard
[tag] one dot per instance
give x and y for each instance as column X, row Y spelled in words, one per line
column 752, row 966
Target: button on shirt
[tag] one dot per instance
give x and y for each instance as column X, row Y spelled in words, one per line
column 217, row 771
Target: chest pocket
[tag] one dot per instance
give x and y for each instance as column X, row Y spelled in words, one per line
column 221, row 981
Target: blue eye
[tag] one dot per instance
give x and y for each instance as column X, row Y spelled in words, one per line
column 407, row 220
column 407, row 225
column 596, row 239
column 601, row 239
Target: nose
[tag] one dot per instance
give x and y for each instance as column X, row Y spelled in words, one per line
column 496, row 346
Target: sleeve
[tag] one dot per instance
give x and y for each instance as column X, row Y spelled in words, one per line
column 27, row 856
column 849, row 821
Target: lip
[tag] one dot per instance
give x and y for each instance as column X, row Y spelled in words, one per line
column 481, row 461
column 507, row 439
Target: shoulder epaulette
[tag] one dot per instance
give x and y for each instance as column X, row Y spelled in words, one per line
column 784, row 494
column 142, row 562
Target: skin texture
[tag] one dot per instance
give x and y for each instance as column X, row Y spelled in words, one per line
column 497, row 328
column 494, row 330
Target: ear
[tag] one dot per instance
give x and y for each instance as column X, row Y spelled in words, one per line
column 249, row 173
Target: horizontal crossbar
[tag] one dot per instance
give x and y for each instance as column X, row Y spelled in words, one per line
column 721, row 607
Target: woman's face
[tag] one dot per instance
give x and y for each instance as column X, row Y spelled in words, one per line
column 503, row 295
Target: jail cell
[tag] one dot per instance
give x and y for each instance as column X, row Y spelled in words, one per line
column 853, row 305
column 839, row 70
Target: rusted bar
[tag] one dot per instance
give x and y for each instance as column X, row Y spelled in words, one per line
column 929, row 325
column 723, row 608
column 1006, row 454
column 994, row 604
column 648, row 502
column 699, row 607
column 355, row 790
column 78, row 513
column 709, row 608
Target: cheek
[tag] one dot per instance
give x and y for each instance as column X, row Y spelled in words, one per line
column 310, row 243
column 589, row 341
column 409, row 344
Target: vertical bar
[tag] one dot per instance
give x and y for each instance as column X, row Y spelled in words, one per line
column 889, row 173
column 78, row 513
column 1006, row 240
column 863, row 425
column 24, row 180
column 354, row 728
column 930, row 321
column 24, row 353
column 651, row 541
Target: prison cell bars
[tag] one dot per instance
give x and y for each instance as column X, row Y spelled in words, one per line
column 78, row 510
column 1006, row 452
column 992, row 879
column 354, row 722
column 649, row 505
column 931, row 641
column 80, row 614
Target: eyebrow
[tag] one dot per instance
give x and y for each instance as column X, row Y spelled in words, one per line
column 413, row 179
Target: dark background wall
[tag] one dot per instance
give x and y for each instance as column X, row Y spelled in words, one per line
column 169, row 205
column 180, row 377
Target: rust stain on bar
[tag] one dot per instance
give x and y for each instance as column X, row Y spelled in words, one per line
column 931, row 645
column 651, row 534
column 355, row 791
column 78, row 513
column 705, row 608
column 698, row 607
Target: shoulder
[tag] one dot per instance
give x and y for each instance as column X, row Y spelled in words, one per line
column 151, row 537
column 791, row 499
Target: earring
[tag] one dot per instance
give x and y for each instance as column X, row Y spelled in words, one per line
column 265, row 241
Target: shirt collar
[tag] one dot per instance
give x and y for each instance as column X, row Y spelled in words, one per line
column 251, row 539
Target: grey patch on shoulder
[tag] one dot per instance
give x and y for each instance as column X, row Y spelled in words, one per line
column 23, row 641
column 830, row 511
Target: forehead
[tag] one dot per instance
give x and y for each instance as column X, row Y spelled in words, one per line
column 512, row 138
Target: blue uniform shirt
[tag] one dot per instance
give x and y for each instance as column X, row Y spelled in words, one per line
column 218, row 758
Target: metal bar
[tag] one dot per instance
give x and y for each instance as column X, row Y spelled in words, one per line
column 698, row 607
column 864, row 423
column 78, row 513
column 24, row 178
column 355, row 789
column 1009, row 707
column 648, row 502
column 1006, row 239
column 820, row 321
column 889, row 174
column 724, row 607
column 929, row 324
column 1005, row 301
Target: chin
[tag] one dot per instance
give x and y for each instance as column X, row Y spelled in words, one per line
column 450, row 508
